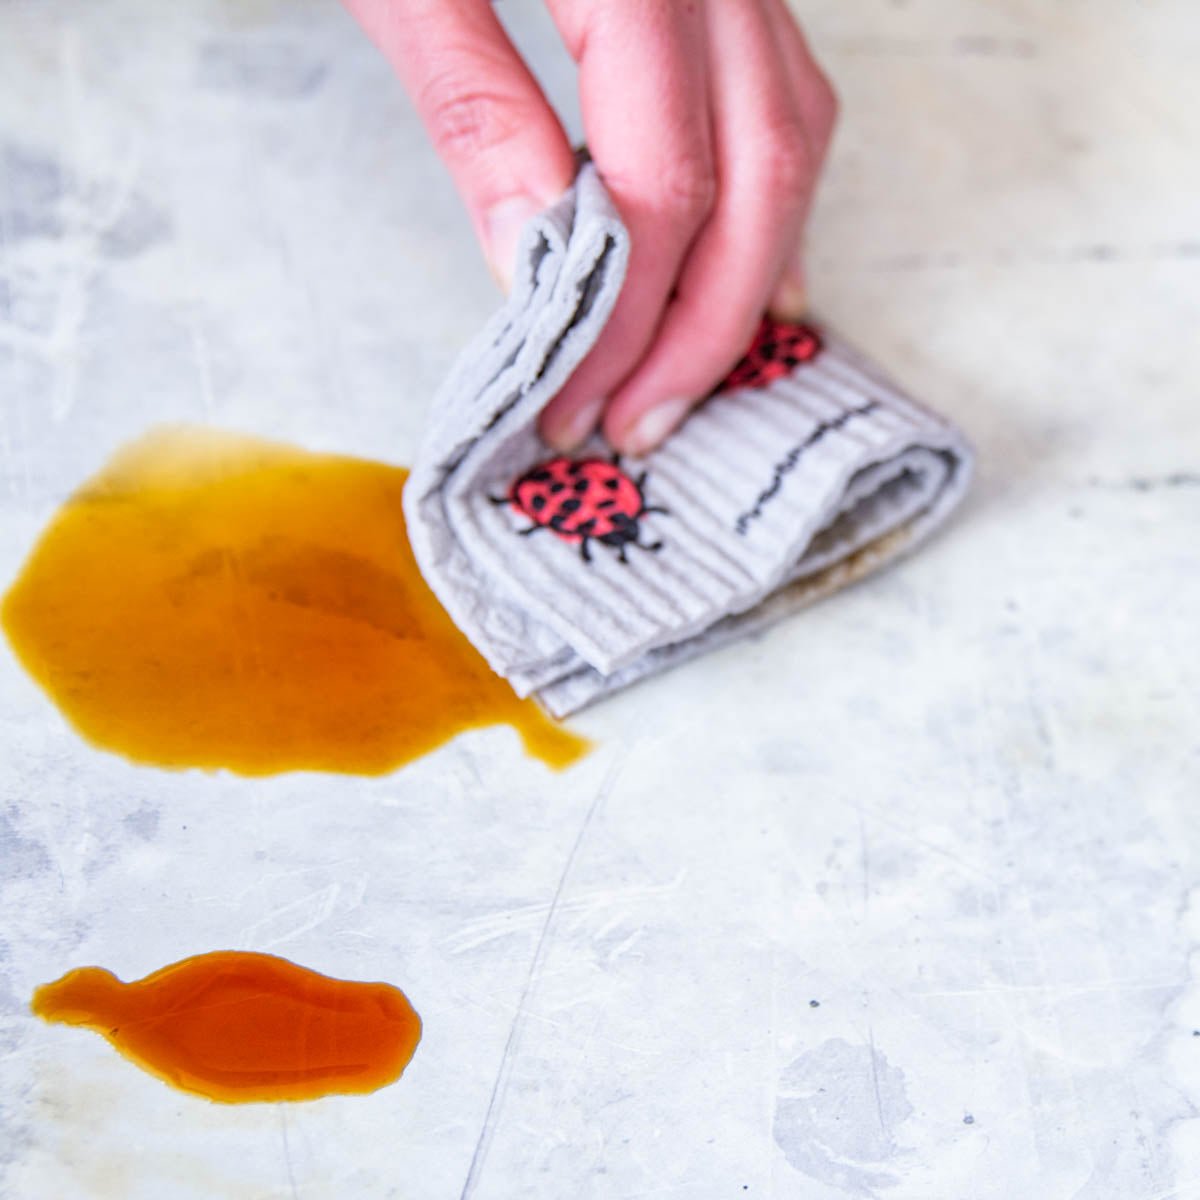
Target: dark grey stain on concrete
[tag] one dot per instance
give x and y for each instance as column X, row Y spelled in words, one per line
column 31, row 190
column 836, row 1112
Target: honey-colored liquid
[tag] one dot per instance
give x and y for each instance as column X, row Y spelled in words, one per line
column 239, row 1027
column 213, row 600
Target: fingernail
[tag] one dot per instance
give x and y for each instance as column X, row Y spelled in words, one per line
column 655, row 425
column 574, row 429
column 502, row 228
column 790, row 300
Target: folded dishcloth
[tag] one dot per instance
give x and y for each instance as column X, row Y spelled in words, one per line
column 574, row 577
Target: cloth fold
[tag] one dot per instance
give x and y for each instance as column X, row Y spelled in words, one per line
column 574, row 577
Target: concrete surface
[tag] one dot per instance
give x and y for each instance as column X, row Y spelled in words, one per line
column 898, row 901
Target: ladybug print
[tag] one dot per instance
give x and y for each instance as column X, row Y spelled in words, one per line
column 778, row 348
column 584, row 500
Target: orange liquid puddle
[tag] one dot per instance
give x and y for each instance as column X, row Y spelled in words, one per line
column 241, row 1027
column 210, row 600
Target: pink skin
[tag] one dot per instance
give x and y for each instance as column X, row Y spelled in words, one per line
column 709, row 121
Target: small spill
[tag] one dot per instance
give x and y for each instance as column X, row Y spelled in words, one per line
column 212, row 600
column 240, row 1027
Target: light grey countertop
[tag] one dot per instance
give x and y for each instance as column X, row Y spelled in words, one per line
column 899, row 900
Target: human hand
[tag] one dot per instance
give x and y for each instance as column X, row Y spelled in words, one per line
column 708, row 120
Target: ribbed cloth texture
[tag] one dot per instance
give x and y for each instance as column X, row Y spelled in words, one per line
column 775, row 492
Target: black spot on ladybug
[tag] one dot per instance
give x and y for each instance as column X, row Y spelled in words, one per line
column 779, row 348
column 611, row 516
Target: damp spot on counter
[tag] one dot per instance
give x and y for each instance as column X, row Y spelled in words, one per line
column 238, row 1027
column 217, row 601
column 837, row 1110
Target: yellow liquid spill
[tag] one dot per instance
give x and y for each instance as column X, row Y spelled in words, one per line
column 212, row 600
column 239, row 1027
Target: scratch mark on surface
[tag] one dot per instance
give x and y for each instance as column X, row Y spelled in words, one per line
column 287, row 1151
column 589, row 906
column 666, row 1189
column 628, row 943
column 1150, row 483
column 1013, row 792
column 1060, row 990
column 1181, row 1192
column 310, row 911
column 772, row 1067
column 506, row 1058
column 967, row 45
column 563, row 1028
column 907, row 834
column 1085, row 255
column 865, row 856
column 87, row 219
column 875, row 1079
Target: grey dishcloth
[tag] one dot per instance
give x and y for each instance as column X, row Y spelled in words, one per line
column 772, row 496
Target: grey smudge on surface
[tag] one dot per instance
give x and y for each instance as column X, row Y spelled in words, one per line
column 31, row 188
column 143, row 822
column 274, row 70
column 1150, row 483
column 987, row 46
column 139, row 226
column 36, row 191
column 22, row 857
column 836, row 1112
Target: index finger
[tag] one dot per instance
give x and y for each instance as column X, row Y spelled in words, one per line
column 643, row 88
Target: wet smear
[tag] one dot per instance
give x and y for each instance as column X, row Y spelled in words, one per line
column 239, row 1027
column 212, row 600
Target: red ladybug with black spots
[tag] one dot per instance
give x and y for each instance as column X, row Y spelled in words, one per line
column 779, row 347
column 582, row 501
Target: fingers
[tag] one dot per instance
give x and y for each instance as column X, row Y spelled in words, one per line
column 708, row 121
column 489, row 121
column 767, row 169
column 818, row 105
column 642, row 80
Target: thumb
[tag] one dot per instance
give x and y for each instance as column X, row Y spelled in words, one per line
column 488, row 119
column 789, row 301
